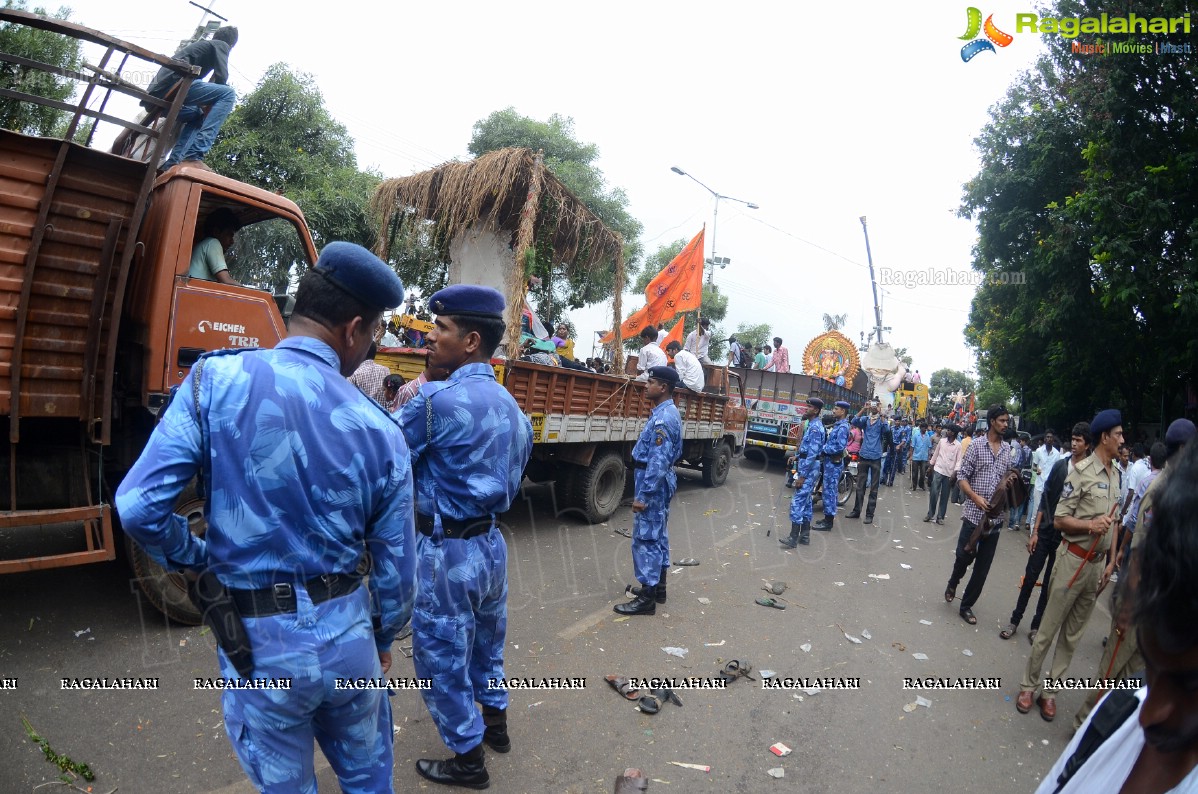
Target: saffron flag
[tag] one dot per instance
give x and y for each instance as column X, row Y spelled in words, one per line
column 675, row 334
column 677, row 288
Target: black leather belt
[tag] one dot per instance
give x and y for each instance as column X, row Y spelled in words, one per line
column 453, row 528
column 636, row 464
column 281, row 598
column 803, row 456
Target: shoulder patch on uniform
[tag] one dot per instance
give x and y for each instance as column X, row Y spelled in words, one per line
column 1067, row 490
column 660, row 437
column 1085, row 464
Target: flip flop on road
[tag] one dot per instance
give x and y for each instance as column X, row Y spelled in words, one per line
column 769, row 602
column 623, row 686
column 621, row 531
column 689, row 561
column 649, row 704
column 736, row 669
column 775, row 588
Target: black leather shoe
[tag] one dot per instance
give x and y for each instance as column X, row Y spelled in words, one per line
column 467, row 770
column 854, row 514
column 868, row 520
column 825, row 525
column 658, row 592
column 643, row 604
column 495, row 730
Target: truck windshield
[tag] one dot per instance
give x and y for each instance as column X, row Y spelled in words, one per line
column 269, row 254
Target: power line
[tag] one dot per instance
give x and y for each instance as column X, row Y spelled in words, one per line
column 806, row 242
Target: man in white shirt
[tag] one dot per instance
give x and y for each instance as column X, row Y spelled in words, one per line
column 1134, row 475
column 1043, row 459
column 1156, row 747
column 698, row 341
column 662, row 333
column 650, row 355
column 690, row 371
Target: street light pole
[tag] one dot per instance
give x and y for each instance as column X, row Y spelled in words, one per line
column 872, row 281
column 715, row 219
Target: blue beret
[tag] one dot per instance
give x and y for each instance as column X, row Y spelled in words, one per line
column 467, row 300
column 815, row 402
column 1104, row 421
column 843, row 404
column 360, row 274
column 665, row 375
column 1180, row 431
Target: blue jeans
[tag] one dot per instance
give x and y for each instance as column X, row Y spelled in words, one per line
column 199, row 133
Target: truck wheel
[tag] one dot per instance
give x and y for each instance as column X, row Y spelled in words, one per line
column 598, row 489
column 167, row 591
column 716, row 464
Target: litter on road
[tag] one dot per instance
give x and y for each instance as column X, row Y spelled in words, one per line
column 780, row 749
column 700, row 767
column 865, row 633
column 926, row 622
column 805, row 647
column 777, row 772
column 923, row 657
column 679, row 652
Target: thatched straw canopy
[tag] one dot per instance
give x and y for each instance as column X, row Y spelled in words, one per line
column 492, row 190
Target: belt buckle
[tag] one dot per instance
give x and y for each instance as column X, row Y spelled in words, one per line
column 283, row 590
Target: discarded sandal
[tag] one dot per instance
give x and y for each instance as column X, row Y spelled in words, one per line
column 775, row 588
column 623, row 686
column 736, row 669
column 769, row 602
column 621, row 531
column 688, row 562
column 649, row 704
column 667, row 696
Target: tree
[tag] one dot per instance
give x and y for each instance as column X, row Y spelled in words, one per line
column 942, row 385
column 571, row 161
column 753, row 334
column 834, row 322
column 45, row 47
column 995, row 391
column 281, row 138
column 902, row 355
column 1088, row 193
column 713, row 305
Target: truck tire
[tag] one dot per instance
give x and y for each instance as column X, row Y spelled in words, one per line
column 167, row 591
column 716, row 464
column 597, row 490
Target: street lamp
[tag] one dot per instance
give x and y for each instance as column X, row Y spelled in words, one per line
column 714, row 260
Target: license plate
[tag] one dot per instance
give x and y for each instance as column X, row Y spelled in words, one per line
column 538, row 427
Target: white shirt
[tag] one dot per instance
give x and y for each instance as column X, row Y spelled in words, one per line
column 1045, row 460
column 1107, row 769
column 661, row 336
column 690, row 371
column 698, row 343
column 1135, row 474
column 650, row 356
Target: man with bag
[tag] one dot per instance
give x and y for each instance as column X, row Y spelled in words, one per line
column 304, row 476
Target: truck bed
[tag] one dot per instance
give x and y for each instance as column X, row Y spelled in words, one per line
column 54, row 310
column 570, row 406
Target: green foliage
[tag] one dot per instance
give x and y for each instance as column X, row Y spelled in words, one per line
column 901, row 354
column 994, row 390
column 754, row 334
column 282, row 138
column 45, row 47
column 1089, row 187
column 63, row 762
column 571, row 161
column 942, row 385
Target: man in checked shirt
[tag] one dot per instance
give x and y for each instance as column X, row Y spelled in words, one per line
column 982, row 469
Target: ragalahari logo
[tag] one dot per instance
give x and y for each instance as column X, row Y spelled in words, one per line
column 973, row 27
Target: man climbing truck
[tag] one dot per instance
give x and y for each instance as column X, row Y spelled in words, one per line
column 98, row 315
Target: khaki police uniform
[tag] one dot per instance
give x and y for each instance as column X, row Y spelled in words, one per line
column 1090, row 492
column 1121, row 659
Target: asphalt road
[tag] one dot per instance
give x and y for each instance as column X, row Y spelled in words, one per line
column 564, row 578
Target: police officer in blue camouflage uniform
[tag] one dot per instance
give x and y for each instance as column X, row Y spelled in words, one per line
column 657, row 450
column 303, row 476
column 833, row 456
column 807, row 468
column 470, row 443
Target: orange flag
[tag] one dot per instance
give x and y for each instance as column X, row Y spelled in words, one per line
column 675, row 334
column 677, row 288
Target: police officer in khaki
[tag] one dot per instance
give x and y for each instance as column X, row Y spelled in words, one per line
column 1085, row 517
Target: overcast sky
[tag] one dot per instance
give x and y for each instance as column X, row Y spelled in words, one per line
column 817, row 114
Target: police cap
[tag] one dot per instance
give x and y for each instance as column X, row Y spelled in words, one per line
column 815, row 402
column 467, row 300
column 667, row 375
column 1180, row 431
column 361, row 274
column 843, row 404
column 1104, row 421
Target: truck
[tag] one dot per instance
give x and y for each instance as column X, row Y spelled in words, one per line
column 584, row 423
column 776, row 401
column 99, row 319
column 911, row 400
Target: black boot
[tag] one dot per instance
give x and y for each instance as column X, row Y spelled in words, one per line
column 465, row 769
column 793, row 540
column 825, row 525
column 645, row 603
column 661, row 587
column 495, row 731
column 805, row 535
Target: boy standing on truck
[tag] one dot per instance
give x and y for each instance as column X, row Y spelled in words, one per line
column 304, row 477
column 199, row 130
